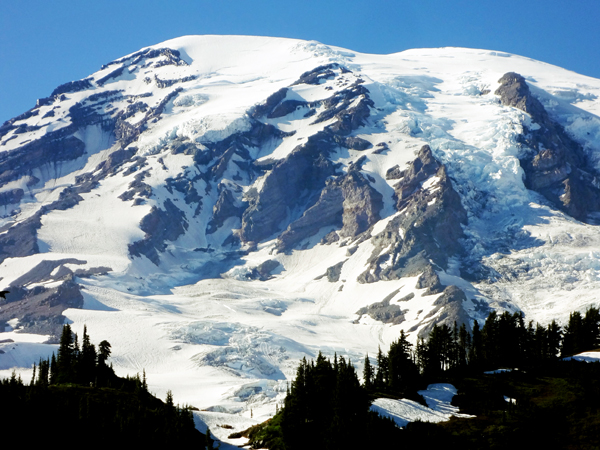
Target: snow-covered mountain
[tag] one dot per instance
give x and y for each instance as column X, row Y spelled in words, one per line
column 218, row 207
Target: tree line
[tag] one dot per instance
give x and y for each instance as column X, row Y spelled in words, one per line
column 506, row 341
column 326, row 406
column 77, row 392
column 77, row 365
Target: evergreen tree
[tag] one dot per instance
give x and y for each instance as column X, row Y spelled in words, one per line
column 573, row 339
column 169, row 401
column 439, row 350
column 381, row 376
column 464, row 345
column 87, row 360
column 294, row 421
column 455, row 350
column 422, row 355
column 65, row 361
column 53, row 370
column 508, row 340
column 476, row 351
column 522, row 339
column 554, row 337
column 591, row 329
column 367, row 373
column 403, row 373
column 103, row 352
column 490, row 340
column 351, row 406
column 209, row 440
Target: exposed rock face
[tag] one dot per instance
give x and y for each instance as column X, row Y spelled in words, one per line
column 556, row 166
column 427, row 229
column 51, row 149
column 326, row 211
column 72, row 86
column 264, row 271
column 333, row 273
column 448, row 309
column 20, row 239
column 348, row 201
column 429, row 280
column 362, row 204
column 137, row 187
column 160, row 225
column 317, row 75
column 228, row 205
column 42, row 272
column 11, row 197
column 293, row 181
column 39, row 310
column 170, row 57
column 383, row 312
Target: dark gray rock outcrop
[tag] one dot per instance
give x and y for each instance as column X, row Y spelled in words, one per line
column 20, row 239
column 327, row 211
column 383, row 312
column 555, row 165
column 428, row 229
column 263, row 272
column 72, row 86
column 429, row 280
column 11, row 197
column 362, row 204
column 227, row 205
column 50, row 149
column 291, row 183
column 137, row 187
column 40, row 309
column 114, row 74
column 167, row 83
column 349, row 202
column 448, row 308
column 169, row 57
column 43, row 270
column 160, row 225
column 333, row 273
column 350, row 107
column 300, row 182
column 317, row 75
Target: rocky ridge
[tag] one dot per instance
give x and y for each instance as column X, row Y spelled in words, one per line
column 555, row 164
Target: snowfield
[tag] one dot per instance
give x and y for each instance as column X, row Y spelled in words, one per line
column 438, row 397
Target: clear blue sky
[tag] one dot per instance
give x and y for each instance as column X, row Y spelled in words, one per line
column 46, row 43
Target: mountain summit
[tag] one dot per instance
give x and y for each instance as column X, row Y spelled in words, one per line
column 221, row 206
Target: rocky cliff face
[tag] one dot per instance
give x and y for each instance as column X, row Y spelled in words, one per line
column 427, row 229
column 292, row 183
column 555, row 164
